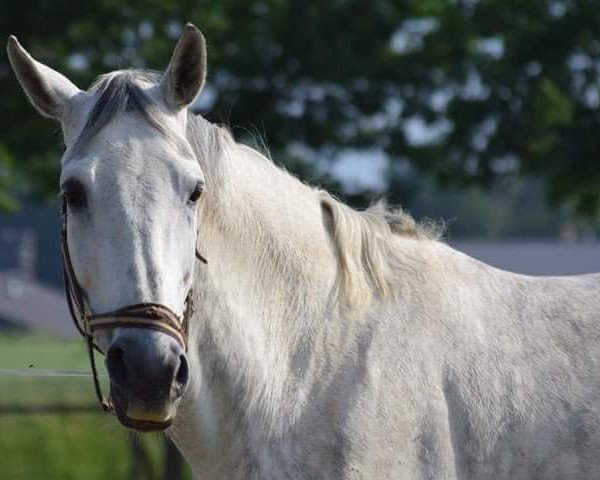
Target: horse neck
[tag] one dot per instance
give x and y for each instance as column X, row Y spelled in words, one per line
column 269, row 280
column 266, row 225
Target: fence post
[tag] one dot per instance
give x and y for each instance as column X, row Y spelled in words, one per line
column 134, row 443
column 173, row 466
column 141, row 466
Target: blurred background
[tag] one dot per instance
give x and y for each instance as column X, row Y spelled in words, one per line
column 481, row 113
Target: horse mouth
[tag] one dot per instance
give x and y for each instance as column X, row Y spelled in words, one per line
column 139, row 419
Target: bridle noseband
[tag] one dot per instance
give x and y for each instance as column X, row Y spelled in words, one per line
column 152, row 316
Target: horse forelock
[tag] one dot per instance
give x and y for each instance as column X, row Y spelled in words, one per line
column 115, row 93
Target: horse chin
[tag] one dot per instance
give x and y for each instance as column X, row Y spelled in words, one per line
column 130, row 414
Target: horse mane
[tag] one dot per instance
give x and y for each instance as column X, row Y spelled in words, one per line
column 366, row 247
column 365, row 241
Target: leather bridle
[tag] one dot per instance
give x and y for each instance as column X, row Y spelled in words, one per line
column 152, row 316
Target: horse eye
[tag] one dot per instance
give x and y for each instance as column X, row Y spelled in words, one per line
column 74, row 193
column 195, row 195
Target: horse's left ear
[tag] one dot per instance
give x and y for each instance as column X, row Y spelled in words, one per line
column 186, row 72
column 47, row 89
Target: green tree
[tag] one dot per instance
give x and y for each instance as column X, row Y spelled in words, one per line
column 469, row 91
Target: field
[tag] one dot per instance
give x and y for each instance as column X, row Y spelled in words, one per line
column 50, row 446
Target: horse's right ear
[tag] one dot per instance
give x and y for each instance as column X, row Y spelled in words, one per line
column 47, row 89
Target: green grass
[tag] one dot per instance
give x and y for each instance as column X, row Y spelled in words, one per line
column 22, row 352
column 62, row 447
column 49, row 446
column 29, row 351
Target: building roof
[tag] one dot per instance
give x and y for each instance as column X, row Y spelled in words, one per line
column 535, row 257
column 28, row 304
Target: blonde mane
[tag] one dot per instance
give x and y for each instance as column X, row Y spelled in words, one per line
column 365, row 245
column 366, row 242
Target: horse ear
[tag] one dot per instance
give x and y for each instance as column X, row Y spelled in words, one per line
column 186, row 72
column 47, row 89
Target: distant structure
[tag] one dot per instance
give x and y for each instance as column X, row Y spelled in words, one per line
column 30, row 242
column 535, row 257
column 18, row 251
column 26, row 304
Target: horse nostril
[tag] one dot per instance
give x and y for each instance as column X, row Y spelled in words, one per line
column 139, row 368
column 115, row 363
column 183, row 373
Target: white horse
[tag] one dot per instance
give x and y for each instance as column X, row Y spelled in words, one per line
column 326, row 343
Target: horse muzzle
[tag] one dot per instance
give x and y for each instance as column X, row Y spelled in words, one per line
column 148, row 373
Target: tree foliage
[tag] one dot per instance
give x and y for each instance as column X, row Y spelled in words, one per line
column 469, row 91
